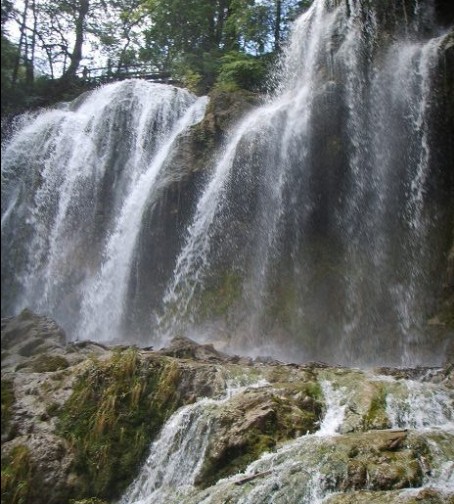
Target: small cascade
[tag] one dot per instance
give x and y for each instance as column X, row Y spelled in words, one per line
column 287, row 476
column 426, row 407
column 442, row 476
column 314, row 467
column 334, row 415
column 177, row 456
column 420, row 405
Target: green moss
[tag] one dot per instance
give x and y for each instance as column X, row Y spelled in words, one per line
column 116, row 409
column 7, row 403
column 314, row 390
column 376, row 417
column 44, row 364
column 49, row 363
column 236, row 458
column 53, row 409
column 216, row 299
column 16, row 476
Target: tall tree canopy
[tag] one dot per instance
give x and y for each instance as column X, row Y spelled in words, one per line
column 199, row 41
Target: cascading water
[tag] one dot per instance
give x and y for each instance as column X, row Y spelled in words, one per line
column 321, row 233
column 104, row 300
column 76, row 182
column 177, row 456
column 313, row 467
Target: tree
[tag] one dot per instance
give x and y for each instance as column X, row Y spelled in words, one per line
column 190, row 37
column 120, row 36
column 198, row 41
column 78, row 9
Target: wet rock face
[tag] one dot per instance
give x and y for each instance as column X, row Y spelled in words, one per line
column 78, row 420
column 185, row 348
column 253, row 423
column 29, row 334
column 445, row 12
column 165, row 222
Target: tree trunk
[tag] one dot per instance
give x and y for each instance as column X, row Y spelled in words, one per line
column 277, row 25
column 22, row 42
column 76, row 55
column 31, row 62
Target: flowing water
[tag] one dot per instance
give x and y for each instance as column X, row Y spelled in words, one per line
column 76, row 183
column 177, row 456
column 318, row 208
column 311, row 468
column 320, row 229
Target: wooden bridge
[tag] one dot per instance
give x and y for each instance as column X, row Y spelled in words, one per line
column 103, row 75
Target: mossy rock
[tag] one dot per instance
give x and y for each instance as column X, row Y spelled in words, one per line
column 7, row 403
column 49, row 363
column 376, row 416
column 220, row 295
column 426, row 496
column 227, row 107
column 252, row 424
column 117, row 407
column 377, row 460
column 31, row 347
column 16, row 476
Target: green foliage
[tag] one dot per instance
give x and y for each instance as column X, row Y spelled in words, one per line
column 49, row 363
column 10, row 94
column 239, row 70
column 197, row 72
column 16, row 476
column 216, row 40
column 7, row 403
column 202, row 43
column 116, row 409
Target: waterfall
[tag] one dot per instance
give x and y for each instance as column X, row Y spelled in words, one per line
column 318, row 230
column 76, row 182
column 104, row 299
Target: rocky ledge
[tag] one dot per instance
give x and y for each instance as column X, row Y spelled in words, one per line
column 78, row 419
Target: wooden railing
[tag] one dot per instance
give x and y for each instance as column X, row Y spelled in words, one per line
column 102, row 75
